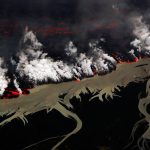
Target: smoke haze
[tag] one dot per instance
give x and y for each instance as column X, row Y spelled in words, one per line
column 54, row 41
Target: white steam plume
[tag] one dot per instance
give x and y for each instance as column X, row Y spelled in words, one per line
column 142, row 33
column 84, row 65
column 34, row 64
column 17, row 86
column 39, row 68
column 102, row 61
column 3, row 79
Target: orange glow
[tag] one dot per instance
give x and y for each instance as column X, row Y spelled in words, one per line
column 77, row 80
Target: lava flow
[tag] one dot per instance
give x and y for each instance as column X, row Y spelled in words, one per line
column 14, row 93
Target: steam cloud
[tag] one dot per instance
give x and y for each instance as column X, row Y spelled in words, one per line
column 142, row 33
column 39, row 68
column 34, row 66
column 3, row 79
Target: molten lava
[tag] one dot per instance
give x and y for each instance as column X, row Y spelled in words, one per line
column 13, row 93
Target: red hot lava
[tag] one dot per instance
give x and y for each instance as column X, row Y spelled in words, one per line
column 13, row 93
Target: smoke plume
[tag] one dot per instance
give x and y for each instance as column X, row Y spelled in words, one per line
column 142, row 33
column 3, row 78
column 35, row 65
column 80, row 40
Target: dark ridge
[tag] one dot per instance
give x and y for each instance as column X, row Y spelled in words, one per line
column 141, row 65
